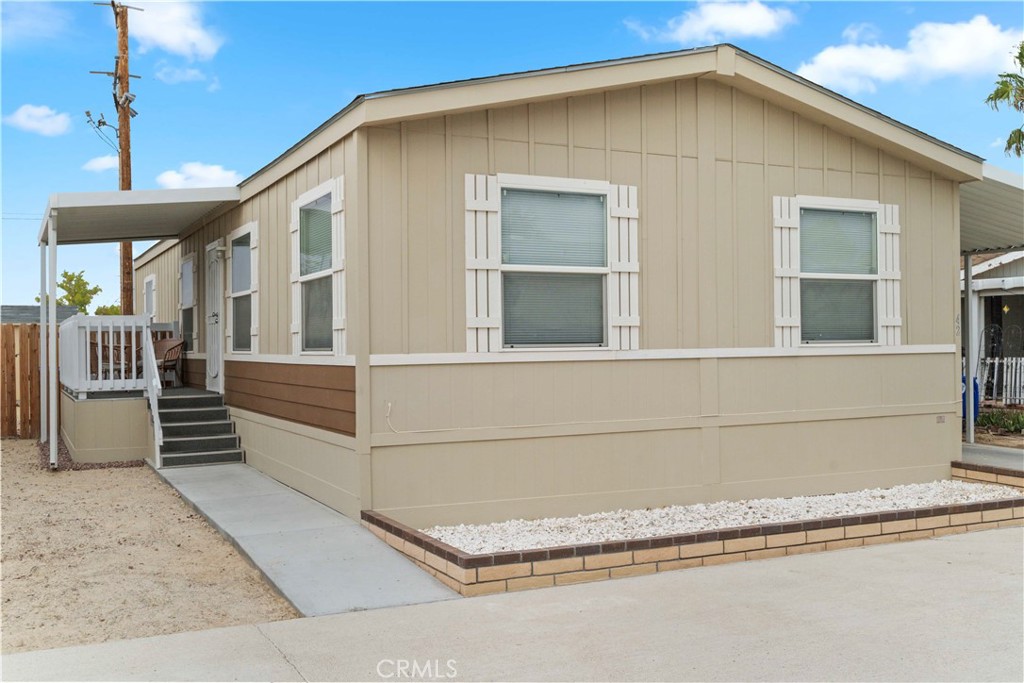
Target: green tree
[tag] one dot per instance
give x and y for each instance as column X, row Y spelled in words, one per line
column 77, row 291
column 1010, row 91
column 109, row 309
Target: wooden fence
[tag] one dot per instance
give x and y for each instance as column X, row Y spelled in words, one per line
column 19, row 380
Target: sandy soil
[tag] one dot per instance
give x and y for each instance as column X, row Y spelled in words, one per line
column 108, row 554
column 983, row 436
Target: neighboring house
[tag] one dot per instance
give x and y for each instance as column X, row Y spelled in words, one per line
column 677, row 278
column 30, row 314
column 998, row 298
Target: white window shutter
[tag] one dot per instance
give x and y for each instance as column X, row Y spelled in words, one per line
column 890, row 321
column 483, row 262
column 181, row 304
column 338, row 261
column 624, row 262
column 254, row 270
column 296, row 328
column 229, row 309
column 786, row 248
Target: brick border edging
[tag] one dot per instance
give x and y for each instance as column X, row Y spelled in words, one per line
column 987, row 474
column 497, row 572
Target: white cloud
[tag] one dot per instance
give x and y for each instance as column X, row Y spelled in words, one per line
column 174, row 74
column 712, row 22
column 198, row 174
column 998, row 143
column 214, row 85
column 175, row 27
column 100, row 164
column 863, row 32
column 39, row 119
column 31, row 22
column 933, row 50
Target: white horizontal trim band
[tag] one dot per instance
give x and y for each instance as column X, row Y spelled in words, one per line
column 529, row 356
column 321, row 359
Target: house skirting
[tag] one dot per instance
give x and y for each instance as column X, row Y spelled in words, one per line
column 319, row 463
column 105, row 429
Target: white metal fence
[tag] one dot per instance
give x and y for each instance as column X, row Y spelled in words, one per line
column 1001, row 380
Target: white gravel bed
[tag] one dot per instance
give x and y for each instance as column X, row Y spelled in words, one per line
column 520, row 534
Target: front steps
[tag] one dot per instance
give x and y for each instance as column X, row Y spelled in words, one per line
column 197, row 430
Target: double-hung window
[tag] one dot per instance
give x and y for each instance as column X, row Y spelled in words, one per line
column 243, row 308
column 318, row 263
column 554, row 262
column 187, row 299
column 836, row 271
column 551, row 263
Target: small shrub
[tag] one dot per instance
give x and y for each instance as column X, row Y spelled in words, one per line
column 1007, row 420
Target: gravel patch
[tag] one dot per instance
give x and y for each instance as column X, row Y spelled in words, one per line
column 519, row 534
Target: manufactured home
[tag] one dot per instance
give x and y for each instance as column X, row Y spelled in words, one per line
column 677, row 278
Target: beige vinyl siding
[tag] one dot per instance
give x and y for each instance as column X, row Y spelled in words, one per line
column 165, row 267
column 707, row 159
column 485, row 442
column 271, row 209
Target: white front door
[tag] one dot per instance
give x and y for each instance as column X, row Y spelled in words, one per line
column 214, row 308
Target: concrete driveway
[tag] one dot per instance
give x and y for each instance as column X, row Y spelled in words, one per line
column 940, row 609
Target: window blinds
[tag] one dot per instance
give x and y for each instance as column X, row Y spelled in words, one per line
column 839, row 242
column 315, row 236
column 553, row 229
column 241, row 265
column 553, row 309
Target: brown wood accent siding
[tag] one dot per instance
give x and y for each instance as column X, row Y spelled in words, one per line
column 194, row 371
column 321, row 396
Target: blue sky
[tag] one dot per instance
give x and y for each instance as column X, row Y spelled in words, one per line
column 228, row 86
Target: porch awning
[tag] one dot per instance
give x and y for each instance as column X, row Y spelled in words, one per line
column 992, row 212
column 132, row 215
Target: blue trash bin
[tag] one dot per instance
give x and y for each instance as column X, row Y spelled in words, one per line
column 963, row 397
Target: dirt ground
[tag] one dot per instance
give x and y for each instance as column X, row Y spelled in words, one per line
column 108, row 554
column 983, row 436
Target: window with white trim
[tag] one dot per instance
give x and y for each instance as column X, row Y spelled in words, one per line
column 187, row 300
column 318, row 267
column 149, row 296
column 550, row 263
column 837, row 273
column 242, row 330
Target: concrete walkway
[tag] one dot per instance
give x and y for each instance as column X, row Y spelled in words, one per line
column 995, row 456
column 938, row 609
column 320, row 560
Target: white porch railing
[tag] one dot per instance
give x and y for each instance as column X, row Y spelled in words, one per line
column 105, row 352
column 152, row 373
column 102, row 352
column 1002, row 380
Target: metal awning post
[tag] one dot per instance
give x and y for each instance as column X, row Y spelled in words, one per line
column 969, row 366
column 44, row 431
column 51, row 243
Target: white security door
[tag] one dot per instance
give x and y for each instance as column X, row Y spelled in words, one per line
column 214, row 307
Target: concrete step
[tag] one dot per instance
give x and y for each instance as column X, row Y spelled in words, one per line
column 200, row 444
column 179, row 401
column 170, row 415
column 173, row 429
column 205, row 458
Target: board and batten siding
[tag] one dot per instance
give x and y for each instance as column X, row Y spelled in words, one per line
column 165, row 268
column 707, row 159
column 321, row 396
column 270, row 209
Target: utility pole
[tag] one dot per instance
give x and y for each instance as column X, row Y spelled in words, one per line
column 122, row 103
